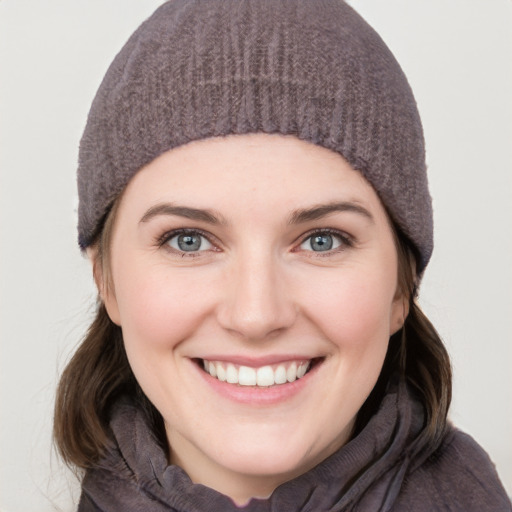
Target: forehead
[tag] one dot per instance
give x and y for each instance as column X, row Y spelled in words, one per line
column 257, row 169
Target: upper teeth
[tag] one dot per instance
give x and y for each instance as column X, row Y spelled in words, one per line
column 263, row 376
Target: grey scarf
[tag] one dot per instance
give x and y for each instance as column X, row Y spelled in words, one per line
column 366, row 474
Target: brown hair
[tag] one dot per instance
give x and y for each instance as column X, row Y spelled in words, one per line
column 417, row 354
column 99, row 372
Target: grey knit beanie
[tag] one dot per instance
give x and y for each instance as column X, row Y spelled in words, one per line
column 205, row 68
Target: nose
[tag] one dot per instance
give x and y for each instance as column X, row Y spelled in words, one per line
column 257, row 304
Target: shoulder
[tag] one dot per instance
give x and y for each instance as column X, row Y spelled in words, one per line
column 458, row 476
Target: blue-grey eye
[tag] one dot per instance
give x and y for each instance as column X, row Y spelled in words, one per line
column 321, row 242
column 189, row 242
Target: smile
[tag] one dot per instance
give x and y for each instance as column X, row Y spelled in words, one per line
column 264, row 376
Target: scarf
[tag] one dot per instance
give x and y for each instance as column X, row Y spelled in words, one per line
column 365, row 474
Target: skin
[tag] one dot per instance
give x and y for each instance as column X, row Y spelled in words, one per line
column 255, row 290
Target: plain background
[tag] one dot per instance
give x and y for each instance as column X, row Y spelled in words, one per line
column 53, row 54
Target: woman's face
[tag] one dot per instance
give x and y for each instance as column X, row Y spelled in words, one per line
column 257, row 257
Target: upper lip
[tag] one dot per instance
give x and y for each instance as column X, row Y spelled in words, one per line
column 257, row 362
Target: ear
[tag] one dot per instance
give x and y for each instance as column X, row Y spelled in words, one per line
column 399, row 312
column 104, row 285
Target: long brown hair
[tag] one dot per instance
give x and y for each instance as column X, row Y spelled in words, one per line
column 99, row 372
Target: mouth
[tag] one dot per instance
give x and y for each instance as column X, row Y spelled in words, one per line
column 261, row 377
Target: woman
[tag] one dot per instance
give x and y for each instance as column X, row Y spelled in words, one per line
column 254, row 201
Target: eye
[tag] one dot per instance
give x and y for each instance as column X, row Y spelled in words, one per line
column 190, row 241
column 323, row 241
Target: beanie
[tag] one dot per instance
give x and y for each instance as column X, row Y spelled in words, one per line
column 207, row 68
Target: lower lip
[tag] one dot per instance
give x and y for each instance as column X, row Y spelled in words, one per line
column 258, row 395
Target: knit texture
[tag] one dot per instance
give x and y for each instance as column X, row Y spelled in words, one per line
column 386, row 468
column 207, row 68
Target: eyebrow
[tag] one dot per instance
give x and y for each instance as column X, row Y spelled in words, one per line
column 322, row 210
column 297, row 217
column 187, row 212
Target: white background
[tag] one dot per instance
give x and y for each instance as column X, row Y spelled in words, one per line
column 53, row 53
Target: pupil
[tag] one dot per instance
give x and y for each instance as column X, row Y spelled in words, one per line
column 321, row 243
column 189, row 242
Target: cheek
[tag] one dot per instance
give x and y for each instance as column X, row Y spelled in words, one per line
column 354, row 309
column 157, row 312
column 353, row 313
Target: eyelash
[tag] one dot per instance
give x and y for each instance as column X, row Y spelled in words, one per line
column 346, row 241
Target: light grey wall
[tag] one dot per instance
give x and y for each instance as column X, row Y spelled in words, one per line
column 53, row 53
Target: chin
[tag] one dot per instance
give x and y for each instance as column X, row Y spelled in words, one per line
column 278, row 455
column 266, row 464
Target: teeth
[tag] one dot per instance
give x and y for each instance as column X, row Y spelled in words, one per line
column 291, row 373
column 280, row 375
column 301, row 370
column 231, row 374
column 246, row 376
column 221, row 373
column 264, row 376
